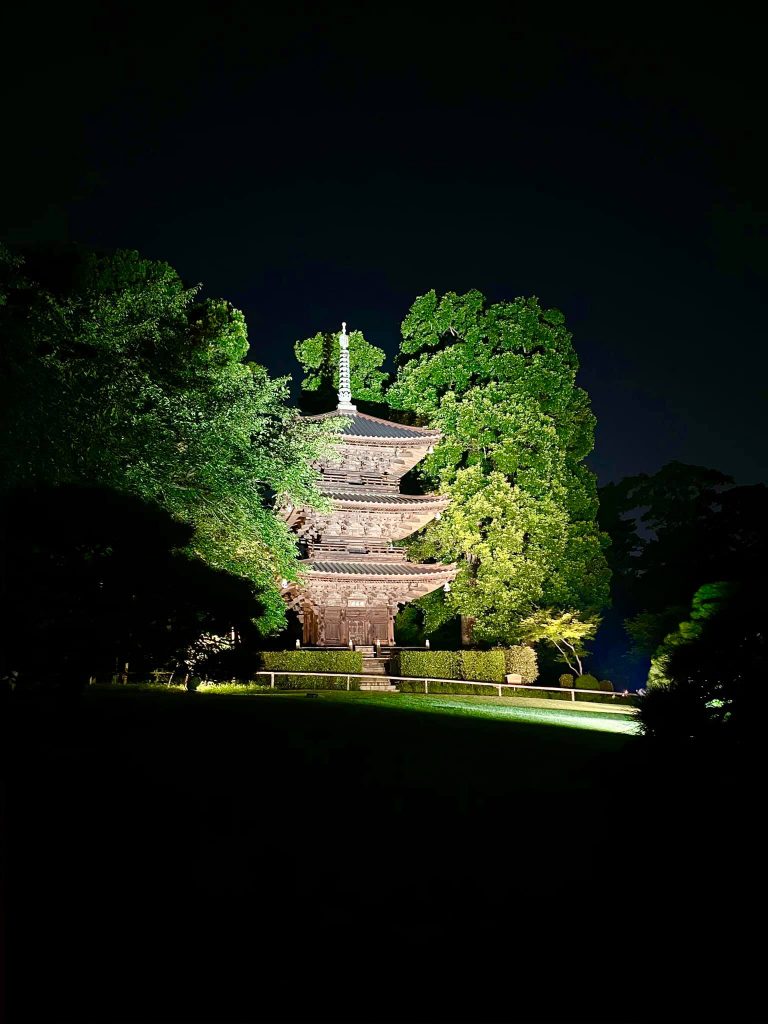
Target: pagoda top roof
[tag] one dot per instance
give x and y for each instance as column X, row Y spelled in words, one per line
column 377, row 568
column 361, row 425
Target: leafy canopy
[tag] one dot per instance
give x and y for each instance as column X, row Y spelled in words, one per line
column 118, row 376
column 499, row 382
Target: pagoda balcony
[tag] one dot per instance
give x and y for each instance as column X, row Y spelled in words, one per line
column 343, row 480
column 351, row 550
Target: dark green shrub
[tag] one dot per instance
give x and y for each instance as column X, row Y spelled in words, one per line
column 314, row 682
column 588, row 682
column 482, row 665
column 606, row 685
column 193, row 682
column 464, row 689
column 532, row 691
column 566, row 679
column 521, row 660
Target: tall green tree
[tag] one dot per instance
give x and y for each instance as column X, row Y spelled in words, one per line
column 499, row 382
column 319, row 358
column 116, row 375
column 672, row 532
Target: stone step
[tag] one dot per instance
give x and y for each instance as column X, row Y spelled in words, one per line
column 376, row 666
column 379, row 687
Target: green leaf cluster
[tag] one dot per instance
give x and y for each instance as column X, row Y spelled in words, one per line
column 499, row 381
column 118, row 375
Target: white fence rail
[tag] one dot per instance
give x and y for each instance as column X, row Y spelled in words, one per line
column 426, row 681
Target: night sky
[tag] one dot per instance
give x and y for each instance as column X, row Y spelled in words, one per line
column 330, row 163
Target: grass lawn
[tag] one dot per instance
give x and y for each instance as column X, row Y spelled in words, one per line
column 491, row 708
column 179, row 856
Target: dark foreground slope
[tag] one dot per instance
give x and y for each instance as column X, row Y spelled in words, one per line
column 184, row 857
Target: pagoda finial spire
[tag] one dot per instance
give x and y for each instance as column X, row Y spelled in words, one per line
column 345, row 387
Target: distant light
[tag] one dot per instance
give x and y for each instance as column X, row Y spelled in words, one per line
column 447, row 587
column 283, row 583
column 426, row 644
column 298, row 644
column 438, row 515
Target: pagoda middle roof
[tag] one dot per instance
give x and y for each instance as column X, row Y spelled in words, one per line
column 384, row 497
column 362, row 568
column 362, row 425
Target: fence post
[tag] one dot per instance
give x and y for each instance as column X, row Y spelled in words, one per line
column 347, row 682
column 573, row 694
column 426, row 686
column 499, row 691
column 272, row 680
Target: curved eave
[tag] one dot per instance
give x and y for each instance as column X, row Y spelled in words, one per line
column 416, row 437
column 373, row 504
column 355, row 572
column 395, row 442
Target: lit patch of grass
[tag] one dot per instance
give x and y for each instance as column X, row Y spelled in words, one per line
column 234, row 688
column 492, row 708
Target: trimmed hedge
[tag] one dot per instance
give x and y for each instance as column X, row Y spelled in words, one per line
column 522, row 660
column 312, row 661
column 428, row 664
column 480, row 665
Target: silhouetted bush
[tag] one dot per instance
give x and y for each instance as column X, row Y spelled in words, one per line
column 712, row 688
column 97, row 579
column 566, row 679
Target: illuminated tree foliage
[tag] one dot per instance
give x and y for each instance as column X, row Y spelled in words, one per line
column 499, row 382
column 117, row 376
column 565, row 631
column 319, row 357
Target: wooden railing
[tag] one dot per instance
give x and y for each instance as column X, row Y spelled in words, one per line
column 426, row 681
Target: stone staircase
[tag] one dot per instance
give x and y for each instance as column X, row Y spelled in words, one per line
column 373, row 666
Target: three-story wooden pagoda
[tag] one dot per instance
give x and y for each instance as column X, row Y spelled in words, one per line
column 354, row 578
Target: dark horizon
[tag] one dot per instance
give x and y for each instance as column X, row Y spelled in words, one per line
column 322, row 166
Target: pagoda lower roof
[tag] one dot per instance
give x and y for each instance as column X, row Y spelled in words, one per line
column 385, row 497
column 360, row 425
column 362, row 568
